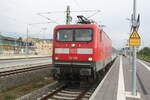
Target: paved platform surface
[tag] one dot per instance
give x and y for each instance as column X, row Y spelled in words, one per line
column 23, row 62
column 11, row 57
column 117, row 83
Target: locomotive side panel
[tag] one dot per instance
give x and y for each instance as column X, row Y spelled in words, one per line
column 104, row 48
column 107, row 48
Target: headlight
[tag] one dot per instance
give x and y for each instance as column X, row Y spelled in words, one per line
column 90, row 59
column 56, row 58
column 73, row 45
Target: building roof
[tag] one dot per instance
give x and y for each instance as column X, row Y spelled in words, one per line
column 30, row 38
column 42, row 40
column 1, row 36
column 7, row 38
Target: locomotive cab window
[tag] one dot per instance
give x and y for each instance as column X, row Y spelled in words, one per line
column 64, row 35
column 83, row 35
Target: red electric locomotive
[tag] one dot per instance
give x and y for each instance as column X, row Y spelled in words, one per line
column 80, row 50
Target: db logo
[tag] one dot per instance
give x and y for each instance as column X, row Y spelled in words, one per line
column 72, row 51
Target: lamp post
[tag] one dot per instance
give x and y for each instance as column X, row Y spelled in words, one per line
column 27, row 35
column 44, row 29
column 1, row 48
column 130, row 48
column 27, row 39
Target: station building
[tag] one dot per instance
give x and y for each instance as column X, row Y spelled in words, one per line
column 9, row 45
column 42, row 46
column 34, row 46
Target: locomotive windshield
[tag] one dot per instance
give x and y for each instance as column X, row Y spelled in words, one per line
column 65, row 35
column 83, row 34
column 74, row 35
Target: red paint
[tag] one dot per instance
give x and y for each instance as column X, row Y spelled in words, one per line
column 101, row 45
column 73, row 51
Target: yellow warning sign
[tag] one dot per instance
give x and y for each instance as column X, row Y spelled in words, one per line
column 134, row 39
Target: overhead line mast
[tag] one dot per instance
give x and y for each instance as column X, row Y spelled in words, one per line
column 68, row 16
column 134, row 42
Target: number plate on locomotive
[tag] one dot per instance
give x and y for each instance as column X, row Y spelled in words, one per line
column 73, row 51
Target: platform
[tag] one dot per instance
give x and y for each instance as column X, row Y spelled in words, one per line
column 23, row 63
column 117, row 83
column 12, row 57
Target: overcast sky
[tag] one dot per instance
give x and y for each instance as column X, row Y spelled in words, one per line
column 16, row 14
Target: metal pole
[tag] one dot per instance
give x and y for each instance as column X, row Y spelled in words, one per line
column 15, row 46
column 68, row 17
column 1, row 45
column 129, row 54
column 134, row 10
column 134, row 53
column 134, row 72
column 27, row 40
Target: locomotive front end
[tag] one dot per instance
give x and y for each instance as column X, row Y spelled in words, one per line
column 73, row 51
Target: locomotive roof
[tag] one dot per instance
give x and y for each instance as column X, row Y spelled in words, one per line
column 77, row 26
column 106, row 35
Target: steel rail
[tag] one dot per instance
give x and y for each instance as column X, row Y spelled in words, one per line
column 65, row 91
column 22, row 70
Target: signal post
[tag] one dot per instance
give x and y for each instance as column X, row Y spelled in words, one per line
column 134, row 41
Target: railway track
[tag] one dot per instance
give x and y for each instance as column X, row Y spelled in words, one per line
column 22, row 70
column 66, row 92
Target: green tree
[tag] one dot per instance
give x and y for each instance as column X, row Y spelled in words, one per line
column 144, row 53
column 20, row 38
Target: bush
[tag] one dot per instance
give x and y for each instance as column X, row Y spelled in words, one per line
column 9, row 96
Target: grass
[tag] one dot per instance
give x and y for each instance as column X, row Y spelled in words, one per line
column 13, row 93
column 9, row 96
column 146, row 58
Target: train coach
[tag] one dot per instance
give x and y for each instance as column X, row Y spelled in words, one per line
column 80, row 50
